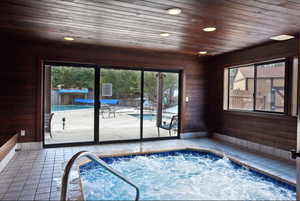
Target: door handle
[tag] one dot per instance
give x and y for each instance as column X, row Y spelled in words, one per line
column 295, row 154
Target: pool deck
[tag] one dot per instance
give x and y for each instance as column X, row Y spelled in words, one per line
column 79, row 126
column 36, row 174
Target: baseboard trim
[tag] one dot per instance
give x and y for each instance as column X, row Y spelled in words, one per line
column 193, row 135
column 27, row 146
column 254, row 146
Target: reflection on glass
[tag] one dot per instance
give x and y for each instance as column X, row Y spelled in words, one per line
column 69, row 104
column 270, row 84
column 161, row 92
column 120, row 97
column 241, row 88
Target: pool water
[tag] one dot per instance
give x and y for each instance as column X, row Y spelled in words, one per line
column 150, row 117
column 55, row 108
column 181, row 175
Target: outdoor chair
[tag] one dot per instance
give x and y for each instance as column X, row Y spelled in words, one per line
column 107, row 109
column 48, row 119
column 171, row 126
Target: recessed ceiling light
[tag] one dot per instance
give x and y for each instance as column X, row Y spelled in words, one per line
column 202, row 52
column 174, row 11
column 282, row 37
column 210, row 29
column 164, row 34
column 69, row 38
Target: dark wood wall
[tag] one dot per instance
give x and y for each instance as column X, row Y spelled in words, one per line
column 273, row 130
column 20, row 76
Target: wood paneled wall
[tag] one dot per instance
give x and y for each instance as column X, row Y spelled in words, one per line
column 20, row 72
column 273, row 130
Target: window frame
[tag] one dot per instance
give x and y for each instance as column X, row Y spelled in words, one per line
column 287, row 83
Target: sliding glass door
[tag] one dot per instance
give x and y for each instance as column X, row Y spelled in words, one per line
column 90, row 104
column 120, row 104
column 160, row 109
column 69, row 104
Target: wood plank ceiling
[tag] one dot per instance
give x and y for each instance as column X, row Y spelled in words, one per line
column 138, row 23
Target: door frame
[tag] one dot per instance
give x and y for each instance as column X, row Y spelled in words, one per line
column 97, row 68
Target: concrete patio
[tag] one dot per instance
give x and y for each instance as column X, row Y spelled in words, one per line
column 79, row 126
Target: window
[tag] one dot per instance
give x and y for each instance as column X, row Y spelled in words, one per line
column 241, row 88
column 259, row 87
column 270, row 87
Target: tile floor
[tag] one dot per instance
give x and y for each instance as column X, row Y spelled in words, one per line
column 35, row 175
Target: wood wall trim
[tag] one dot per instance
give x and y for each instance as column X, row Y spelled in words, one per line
column 260, row 115
column 8, row 143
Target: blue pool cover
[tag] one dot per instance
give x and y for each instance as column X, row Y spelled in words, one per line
column 91, row 101
column 81, row 91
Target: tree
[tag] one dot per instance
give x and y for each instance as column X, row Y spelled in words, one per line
column 170, row 84
column 72, row 77
column 150, row 86
column 125, row 83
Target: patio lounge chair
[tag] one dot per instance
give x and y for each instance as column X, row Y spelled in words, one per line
column 172, row 126
column 48, row 119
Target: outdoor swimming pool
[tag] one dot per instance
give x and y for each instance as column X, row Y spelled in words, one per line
column 181, row 175
column 55, row 108
column 150, row 117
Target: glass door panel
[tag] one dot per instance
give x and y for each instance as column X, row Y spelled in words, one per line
column 170, row 104
column 69, row 104
column 120, row 100
column 160, row 109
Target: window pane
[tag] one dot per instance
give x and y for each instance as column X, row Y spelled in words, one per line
column 241, row 88
column 270, row 87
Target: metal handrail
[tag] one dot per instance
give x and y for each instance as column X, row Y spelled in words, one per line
column 93, row 157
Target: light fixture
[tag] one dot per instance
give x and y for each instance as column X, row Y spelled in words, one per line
column 164, row 34
column 68, row 38
column 210, row 29
column 174, row 11
column 282, row 37
column 202, row 52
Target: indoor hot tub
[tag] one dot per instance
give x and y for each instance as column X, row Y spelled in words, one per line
column 181, row 175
